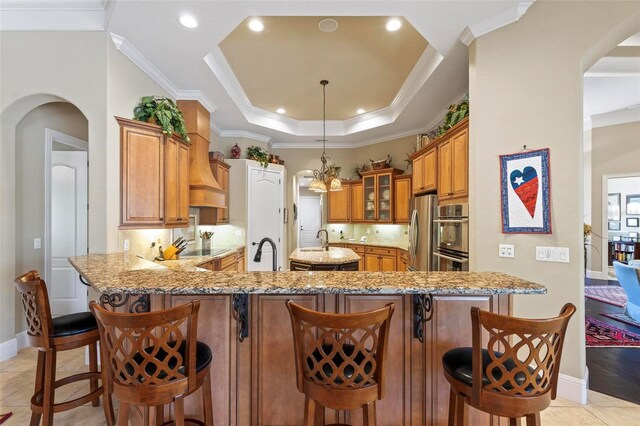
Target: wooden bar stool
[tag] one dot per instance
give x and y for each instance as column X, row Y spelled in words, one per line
column 516, row 376
column 340, row 360
column 154, row 359
column 51, row 335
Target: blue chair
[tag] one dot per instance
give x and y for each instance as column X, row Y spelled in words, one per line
column 629, row 279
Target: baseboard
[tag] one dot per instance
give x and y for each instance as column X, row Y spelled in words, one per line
column 598, row 275
column 8, row 349
column 22, row 340
column 572, row 388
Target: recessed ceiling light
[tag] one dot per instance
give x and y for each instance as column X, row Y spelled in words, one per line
column 256, row 25
column 188, row 21
column 281, row 111
column 360, row 111
column 328, row 25
column 393, row 24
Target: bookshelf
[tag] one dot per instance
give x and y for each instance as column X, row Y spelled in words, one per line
column 623, row 251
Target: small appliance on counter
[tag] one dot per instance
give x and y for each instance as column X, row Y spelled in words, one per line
column 452, row 233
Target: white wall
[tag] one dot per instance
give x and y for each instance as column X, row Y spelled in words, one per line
column 526, row 88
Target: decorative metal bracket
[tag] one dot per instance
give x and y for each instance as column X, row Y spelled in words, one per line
column 83, row 281
column 116, row 300
column 241, row 314
column 422, row 313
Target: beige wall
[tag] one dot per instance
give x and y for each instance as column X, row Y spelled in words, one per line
column 525, row 84
column 30, row 169
column 224, row 145
column 615, row 151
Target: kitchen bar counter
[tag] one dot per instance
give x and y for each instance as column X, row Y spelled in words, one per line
column 320, row 256
column 243, row 318
column 119, row 272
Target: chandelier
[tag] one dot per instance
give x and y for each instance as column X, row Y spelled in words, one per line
column 327, row 177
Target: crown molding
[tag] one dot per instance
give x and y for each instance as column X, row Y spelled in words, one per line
column 422, row 70
column 129, row 50
column 61, row 15
column 246, row 135
column 500, row 20
column 615, row 66
column 347, row 145
column 53, row 5
column 614, row 118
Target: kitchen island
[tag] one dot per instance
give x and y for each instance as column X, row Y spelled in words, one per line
column 244, row 319
column 320, row 259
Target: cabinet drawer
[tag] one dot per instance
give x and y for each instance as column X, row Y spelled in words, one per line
column 381, row 250
column 404, row 255
column 356, row 248
column 207, row 265
column 228, row 261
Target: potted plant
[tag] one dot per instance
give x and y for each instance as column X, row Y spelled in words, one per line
column 258, row 154
column 162, row 111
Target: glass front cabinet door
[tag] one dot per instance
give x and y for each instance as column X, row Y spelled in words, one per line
column 384, row 197
column 369, row 183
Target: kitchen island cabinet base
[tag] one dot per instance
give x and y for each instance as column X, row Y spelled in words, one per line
column 253, row 381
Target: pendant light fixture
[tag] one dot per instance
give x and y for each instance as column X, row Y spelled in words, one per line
column 322, row 179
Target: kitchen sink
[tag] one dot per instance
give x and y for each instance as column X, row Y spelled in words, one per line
column 312, row 249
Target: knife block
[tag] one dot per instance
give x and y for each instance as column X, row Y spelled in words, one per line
column 171, row 253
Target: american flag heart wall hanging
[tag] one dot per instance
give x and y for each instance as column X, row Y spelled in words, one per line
column 525, row 192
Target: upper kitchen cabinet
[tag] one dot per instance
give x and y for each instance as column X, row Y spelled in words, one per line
column 424, row 172
column 453, row 163
column 217, row 216
column 357, row 202
column 378, row 195
column 402, row 197
column 154, row 177
column 339, row 204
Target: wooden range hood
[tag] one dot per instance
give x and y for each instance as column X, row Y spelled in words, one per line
column 204, row 190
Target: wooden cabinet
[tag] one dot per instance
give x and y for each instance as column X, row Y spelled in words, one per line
column 378, row 195
column 154, row 177
column 338, row 204
column 357, row 202
column 176, row 183
column 453, row 165
column 302, row 266
column 424, row 172
column 401, row 198
column 233, row 262
column 403, row 260
column 223, row 341
column 380, row 259
column 218, row 216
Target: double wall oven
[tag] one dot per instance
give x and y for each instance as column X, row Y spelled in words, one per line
column 452, row 238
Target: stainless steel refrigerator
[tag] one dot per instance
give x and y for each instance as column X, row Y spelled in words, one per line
column 422, row 237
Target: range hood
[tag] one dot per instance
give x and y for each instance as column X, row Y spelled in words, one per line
column 204, row 190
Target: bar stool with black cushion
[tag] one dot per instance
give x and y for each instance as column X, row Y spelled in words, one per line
column 50, row 336
column 516, row 376
column 340, row 360
column 154, row 359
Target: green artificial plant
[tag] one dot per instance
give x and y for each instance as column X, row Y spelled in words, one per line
column 164, row 112
column 258, row 154
column 455, row 114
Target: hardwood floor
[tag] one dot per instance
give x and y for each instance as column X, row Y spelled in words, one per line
column 612, row 371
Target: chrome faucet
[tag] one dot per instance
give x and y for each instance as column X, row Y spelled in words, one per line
column 326, row 243
column 258, row 255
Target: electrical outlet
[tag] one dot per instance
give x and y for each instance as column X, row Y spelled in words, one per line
column 125, row 245
column 37, row 243
column 238, row 233
column 506, row 250
column 368, row 231
column 552, row 254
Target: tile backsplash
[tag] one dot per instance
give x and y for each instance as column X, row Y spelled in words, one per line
column 396, row 235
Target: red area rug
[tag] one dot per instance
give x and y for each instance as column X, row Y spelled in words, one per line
column 610, row 294
column 600, row 334
column 623, row 318
column 4, row 417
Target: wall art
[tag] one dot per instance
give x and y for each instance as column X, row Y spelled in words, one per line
column 525, row 187
column 613, row 206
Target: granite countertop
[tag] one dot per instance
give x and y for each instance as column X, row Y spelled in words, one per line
column 191, row 263
column 120, row 272
column 334, row 256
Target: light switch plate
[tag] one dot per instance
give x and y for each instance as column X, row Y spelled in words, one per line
column 552, row 254
column 506, row 250
column 37, row 243
column 125, row 245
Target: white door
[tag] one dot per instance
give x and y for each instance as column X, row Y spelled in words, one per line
column 68, row 230
column 265, row 206
column 310, row 221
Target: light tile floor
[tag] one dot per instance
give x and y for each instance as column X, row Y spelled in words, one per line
column 17, row 377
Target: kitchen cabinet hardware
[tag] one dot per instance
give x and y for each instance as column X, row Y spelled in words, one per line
column 83, row 281
column 240, row 313
column 422, row 313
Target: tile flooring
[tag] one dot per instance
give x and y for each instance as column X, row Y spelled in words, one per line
column 17, row 379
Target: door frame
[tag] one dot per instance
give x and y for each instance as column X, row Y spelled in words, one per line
column 51, row 136
column 604, row 231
